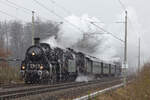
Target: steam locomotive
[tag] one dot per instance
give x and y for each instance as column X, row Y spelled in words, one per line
column 45, row 64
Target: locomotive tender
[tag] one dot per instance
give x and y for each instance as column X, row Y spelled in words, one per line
column 45, row 64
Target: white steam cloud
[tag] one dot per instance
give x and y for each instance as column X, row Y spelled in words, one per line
column 84, row 78
column 95, row 42
column 90, row 40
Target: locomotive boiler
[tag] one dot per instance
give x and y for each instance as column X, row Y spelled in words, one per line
column 43, row 63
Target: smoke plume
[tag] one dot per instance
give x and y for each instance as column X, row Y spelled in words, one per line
column 81, row 35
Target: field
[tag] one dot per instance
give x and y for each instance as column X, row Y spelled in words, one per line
column 137, row 90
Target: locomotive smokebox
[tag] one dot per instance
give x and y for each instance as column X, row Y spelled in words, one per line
column 37, row 41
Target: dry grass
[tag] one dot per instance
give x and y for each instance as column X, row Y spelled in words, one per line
column 7, row 73
column 138, row 90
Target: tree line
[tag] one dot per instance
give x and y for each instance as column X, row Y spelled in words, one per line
column 16, row 36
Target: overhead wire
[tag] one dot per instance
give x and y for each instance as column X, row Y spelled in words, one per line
column 129, row 20
column 19, row 6
column 13, row 5
column 61, row 7
column 122, row 5
column 125, row 9
column 7, row 4
column 108, row 32
column 25, row 10
column 51, row 11
column 8, row 14
column 90, row 23
column 61, row 16
column 12, row 16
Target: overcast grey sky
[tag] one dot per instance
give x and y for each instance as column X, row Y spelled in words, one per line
column 107, row 11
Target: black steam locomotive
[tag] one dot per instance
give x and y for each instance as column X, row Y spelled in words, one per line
column 45, row 64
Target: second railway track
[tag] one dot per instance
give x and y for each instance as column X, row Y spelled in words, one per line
column 21, row 92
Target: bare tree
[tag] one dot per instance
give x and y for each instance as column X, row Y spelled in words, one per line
column 45, row 29
column 16, row 33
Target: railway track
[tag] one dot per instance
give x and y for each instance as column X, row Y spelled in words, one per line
column 17, row 85
column 24, row 91
column 13, row 85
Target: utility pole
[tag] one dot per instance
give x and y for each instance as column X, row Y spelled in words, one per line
column 139, row 55
column 6, row 31
column 125, row 52
column 33, row 31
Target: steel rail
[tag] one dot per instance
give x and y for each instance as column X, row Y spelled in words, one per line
column 9, row 94
column 92, row 95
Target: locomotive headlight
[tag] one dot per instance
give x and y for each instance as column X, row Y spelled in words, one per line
column 33, row 54
column 41, row 67
column 23, row 67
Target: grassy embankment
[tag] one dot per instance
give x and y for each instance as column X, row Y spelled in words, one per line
column 138, row 90
column 7, row 73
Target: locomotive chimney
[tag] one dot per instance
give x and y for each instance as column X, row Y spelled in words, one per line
column 37, row 41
